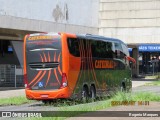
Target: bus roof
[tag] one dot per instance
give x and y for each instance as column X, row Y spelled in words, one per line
column 84, row 36
column 98, row 37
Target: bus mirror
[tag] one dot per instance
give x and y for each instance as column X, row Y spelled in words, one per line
column 130, row 59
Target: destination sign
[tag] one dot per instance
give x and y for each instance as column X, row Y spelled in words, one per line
column 42, row 37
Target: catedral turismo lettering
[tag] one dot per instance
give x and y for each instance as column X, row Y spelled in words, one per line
column 40, row 37
column 104, row 64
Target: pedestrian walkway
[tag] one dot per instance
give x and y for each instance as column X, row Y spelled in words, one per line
column 141, row 81
column 11, row 92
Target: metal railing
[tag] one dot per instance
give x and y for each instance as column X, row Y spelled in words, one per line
column 11, row 76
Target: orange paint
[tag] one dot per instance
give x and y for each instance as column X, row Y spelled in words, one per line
column 24, row 55
column 55, row 57
column 93, row 71
column 44, row 72
column 70, row 66
column 49, row 59
column 59, row 69
column 49, row 74
column 41, row 58
column 45, row 59
column 55, row 73
column 39, row 73
column 52, row 94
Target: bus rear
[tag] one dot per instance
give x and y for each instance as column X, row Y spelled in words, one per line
column 43, row 75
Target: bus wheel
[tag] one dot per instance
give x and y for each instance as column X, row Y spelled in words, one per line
column 92, row 93
column 85, row 95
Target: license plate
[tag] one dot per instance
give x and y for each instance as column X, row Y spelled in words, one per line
column 44, row 96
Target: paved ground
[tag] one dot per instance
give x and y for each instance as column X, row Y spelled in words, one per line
column 154, row 89
column 141, row 81
column 6, row 93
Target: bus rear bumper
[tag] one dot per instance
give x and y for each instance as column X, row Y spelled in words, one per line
column 47, row 94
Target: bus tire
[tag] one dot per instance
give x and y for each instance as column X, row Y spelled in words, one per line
column 92, row 93
column 85, row 95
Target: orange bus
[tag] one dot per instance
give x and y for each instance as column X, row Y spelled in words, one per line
column 70, row 66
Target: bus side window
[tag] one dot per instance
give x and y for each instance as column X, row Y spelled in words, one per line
column 119, row 52
column 101, row 49
column 109, row 51
column 94, row 48
column 73, row 47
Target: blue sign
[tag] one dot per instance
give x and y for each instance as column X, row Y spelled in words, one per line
column 40, row 84
column 149, row 47
column 129, row 49
column 10, row 49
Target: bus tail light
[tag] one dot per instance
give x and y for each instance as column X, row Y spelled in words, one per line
column 64, row 80
column 26, row 82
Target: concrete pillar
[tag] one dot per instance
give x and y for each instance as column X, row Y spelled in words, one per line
column 18, row 47
column 135, row 69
